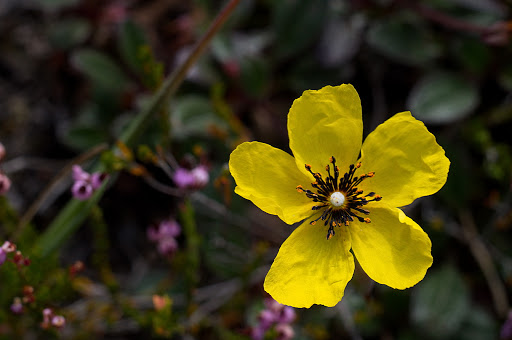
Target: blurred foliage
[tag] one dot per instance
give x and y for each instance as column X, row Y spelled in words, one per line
column 74, row 74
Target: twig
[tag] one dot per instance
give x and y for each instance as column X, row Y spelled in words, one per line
column 348, row 321
column 484, row 260
column 34, row 207
column 74, row 213
column 242, row 222
column 162, row 187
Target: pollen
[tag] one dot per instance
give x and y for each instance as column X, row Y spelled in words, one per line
column 338, row 198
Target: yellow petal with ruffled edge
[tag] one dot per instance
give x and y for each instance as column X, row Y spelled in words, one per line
column 309, row 269
column 326, row 123
column 392, row 249
column 407, row 161
column 268, row 177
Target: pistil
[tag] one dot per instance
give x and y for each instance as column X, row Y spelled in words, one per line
column 339, row 197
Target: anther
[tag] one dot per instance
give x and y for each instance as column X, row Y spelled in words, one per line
column 340, row 201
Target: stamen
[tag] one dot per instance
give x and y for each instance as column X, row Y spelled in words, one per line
column 338, row 196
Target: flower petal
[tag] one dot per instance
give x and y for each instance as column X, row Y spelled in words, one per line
column 392, row 249
column 326, row 123
column 407, row 161
column 309, row 269
column 268, row 177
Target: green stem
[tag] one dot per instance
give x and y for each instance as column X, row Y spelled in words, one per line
column 172, row 83
column 75, row 212
column 188, row 221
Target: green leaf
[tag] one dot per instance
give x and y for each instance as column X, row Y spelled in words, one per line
column 403, row 41
column 55, row 5
column 440, row 303
column 131, row 40
column 505, row 77
column 254, row 76
column 297, row 24
column 85, row 137
column 194, row 116
column 479, row 325
column 101, row 69
column 68, row 33
column 472, row 54
column 442, row 98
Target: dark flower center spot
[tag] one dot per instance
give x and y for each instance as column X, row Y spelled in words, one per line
column 339, row 197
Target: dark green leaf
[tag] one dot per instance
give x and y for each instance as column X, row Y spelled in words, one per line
column 440, row 303
column 442, row 98
column 297, row 24
column 403, row 41
column 101, row 69
column 131, row 40
column 69, row 33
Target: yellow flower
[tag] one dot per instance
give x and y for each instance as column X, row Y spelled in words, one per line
column 347, row 192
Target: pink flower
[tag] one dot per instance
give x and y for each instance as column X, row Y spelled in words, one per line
column 85, row 183
column 58, row 321
column 2, row 151
column 17, row 306
column 183, row 178
column 7, row 247
column 196, row 178
column 5, row 184
column 165, row 235
column 82, row 190
column 274, row 314
column 284, row 331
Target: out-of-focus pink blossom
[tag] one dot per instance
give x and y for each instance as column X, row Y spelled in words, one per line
column 257, row 333
column 5, row 184
column 85, row 183
column 277, row 315
column 17, row 306
column 82, row 190
column 58, row 321
column 164, row 235
column 169, row 228
column 2, row 151
column 196, row 178
column 284, row 331
column 79, row 174
column 97, row 179
column 50, row 319
column 287, row 315
column 266, row 319
column 167, row 246
column 183, row 178
column 200, row 175
column 6, row 248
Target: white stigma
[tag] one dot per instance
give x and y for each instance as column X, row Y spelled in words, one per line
column 337, row 199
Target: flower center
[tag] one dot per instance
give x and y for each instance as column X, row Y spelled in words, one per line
column 339, row 197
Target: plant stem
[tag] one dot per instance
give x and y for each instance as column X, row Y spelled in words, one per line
column 75, row 212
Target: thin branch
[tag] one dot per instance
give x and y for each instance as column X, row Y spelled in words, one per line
column 34, row 207
column 486, row 263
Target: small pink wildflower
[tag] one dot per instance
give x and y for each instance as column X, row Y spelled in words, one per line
column 85, row 183
column 17, row 306
column 6, row 248
column 2, row 151
column 50, row 319
column 5, row 184
column 196, row 178
column 165, row 235
column 277, row 315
